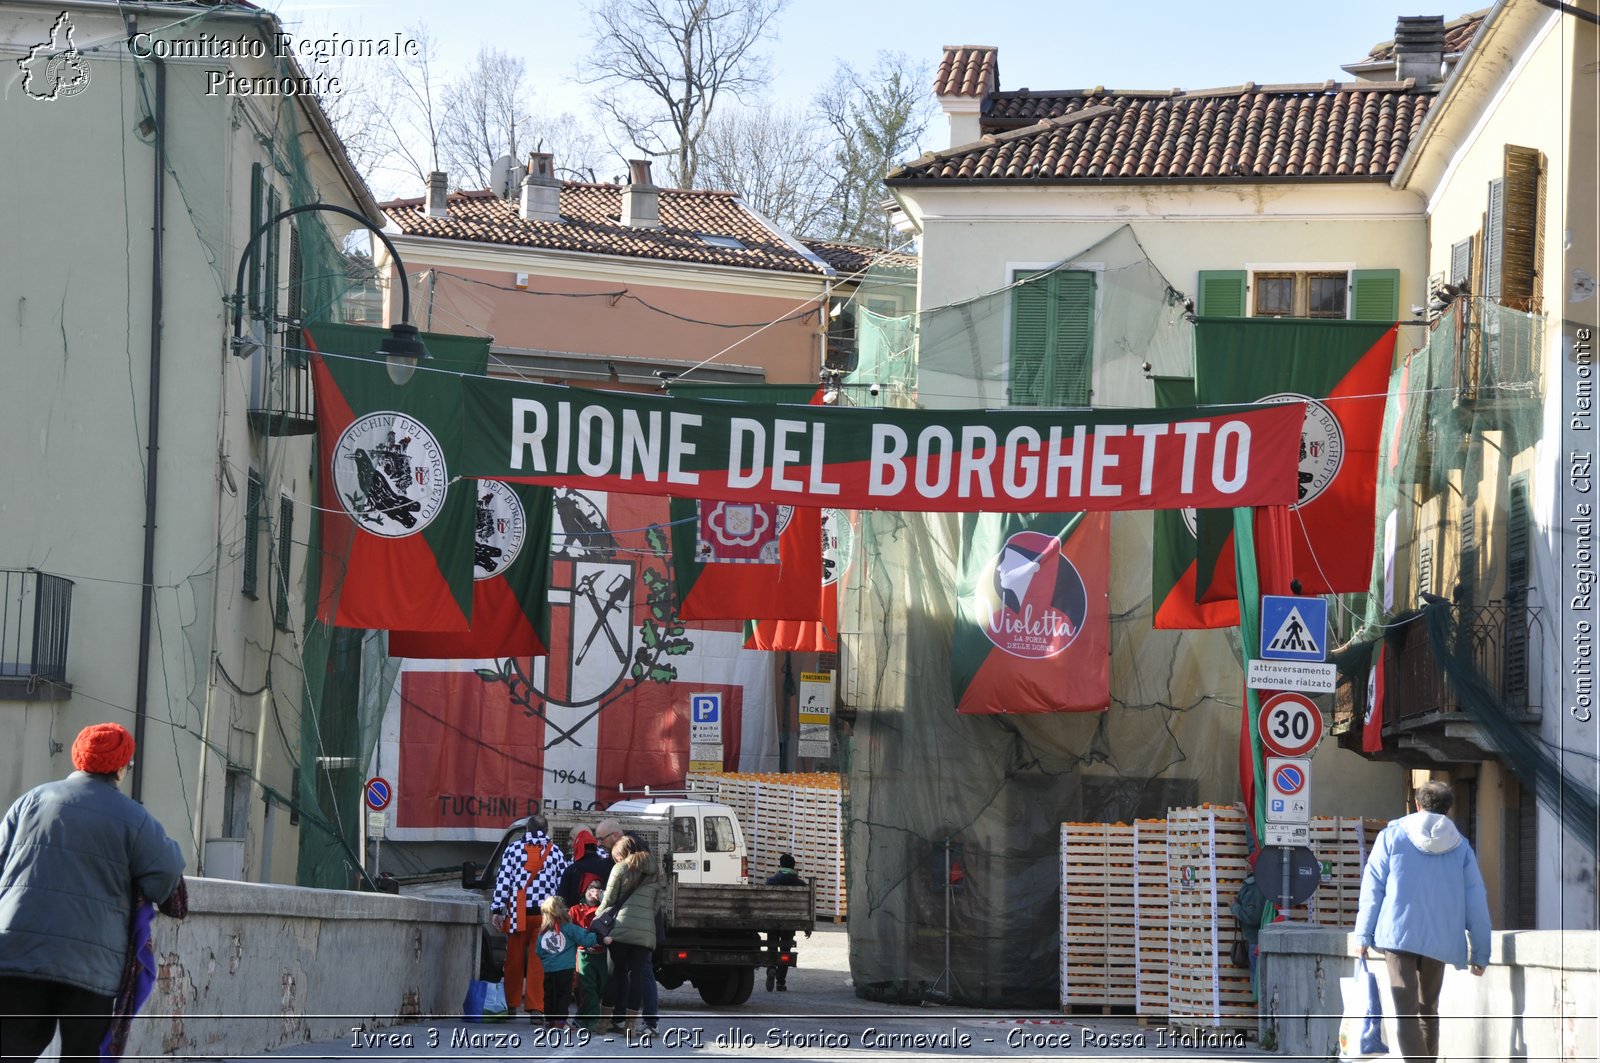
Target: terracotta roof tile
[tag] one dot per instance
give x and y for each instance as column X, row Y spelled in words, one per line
column 1249, row 132
column 968, row 70
column 592, row 222
column 856, row 259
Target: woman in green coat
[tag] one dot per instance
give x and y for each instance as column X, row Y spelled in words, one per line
column 636, row 882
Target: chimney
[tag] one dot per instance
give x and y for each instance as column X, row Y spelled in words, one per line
column 967, row 75
column 641, row 200
column 438, row 194
column 1419, row 48
column 541, row 192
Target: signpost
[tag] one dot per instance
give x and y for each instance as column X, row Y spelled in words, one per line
column 1293, row 628
column 1288, row 790
column 816, row 714
column 378, row 794
column 1312, row 677
column 705, row 731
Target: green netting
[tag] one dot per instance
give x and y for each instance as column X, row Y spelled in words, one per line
column 991, row 792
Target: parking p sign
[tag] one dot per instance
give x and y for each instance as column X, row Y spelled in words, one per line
column 705, row 718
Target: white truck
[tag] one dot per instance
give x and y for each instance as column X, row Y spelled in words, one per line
column 721, row 928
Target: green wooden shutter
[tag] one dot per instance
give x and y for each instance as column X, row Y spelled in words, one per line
column 254, row 269
column 252, row 534
column 1494, row 238
column 285, row 555
column 1030, row 338
column 1222, row 293
column 1514, row 666
column 273, row 246
column 1072, row 347
column 1376, row 295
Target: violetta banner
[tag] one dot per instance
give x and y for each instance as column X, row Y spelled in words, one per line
column 1009, row 460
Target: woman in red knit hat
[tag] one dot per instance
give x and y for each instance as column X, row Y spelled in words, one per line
column 66, row 909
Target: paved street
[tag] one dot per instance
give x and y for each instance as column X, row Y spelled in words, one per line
column 818, row 1018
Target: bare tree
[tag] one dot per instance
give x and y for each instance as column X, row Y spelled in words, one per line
column 878, row 120
column 352, row 108
column 775, row 160
column 682, row 56
column 412, row 112
column 486, row 112
column 571, row 141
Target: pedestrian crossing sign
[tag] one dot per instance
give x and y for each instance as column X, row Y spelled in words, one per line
column 1293, row 628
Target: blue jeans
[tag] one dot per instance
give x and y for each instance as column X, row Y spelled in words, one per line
column 631, row 967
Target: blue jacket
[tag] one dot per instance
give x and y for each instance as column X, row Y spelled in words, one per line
column 72, row 855
column 558, row 950
column 1422, row 892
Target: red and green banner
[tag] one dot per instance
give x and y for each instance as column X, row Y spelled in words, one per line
column 396, row 528
column 1377, row 693
column 1033, row 629
column 511, row 581
column 1010, row 460
column 786, row 590
column 820, row 635
column 1174, row 553
column 1339, row 372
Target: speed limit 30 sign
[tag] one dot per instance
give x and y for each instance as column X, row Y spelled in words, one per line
column 1290, row 724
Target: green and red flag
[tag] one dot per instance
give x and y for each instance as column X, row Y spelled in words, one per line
column 783, row 589
column 1340, row 371
column 812, row 636
column 396, row 527
column 510, row 581
column 1174, row 557
column 1033, row 628
column 1377, row 694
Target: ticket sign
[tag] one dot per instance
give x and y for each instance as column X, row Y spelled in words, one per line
column 1290, row 724
column 1288, row 790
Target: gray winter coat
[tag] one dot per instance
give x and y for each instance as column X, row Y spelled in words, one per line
column 72, row 853
column 636, row 922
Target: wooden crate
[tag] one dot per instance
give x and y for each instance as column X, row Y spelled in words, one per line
column 1098, row 933
column 1207, row 859
column 792, row 812
column 1152, row 915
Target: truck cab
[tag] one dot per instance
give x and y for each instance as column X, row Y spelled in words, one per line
column 707, row 844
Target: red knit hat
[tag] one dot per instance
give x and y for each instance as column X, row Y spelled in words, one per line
column 102, row 749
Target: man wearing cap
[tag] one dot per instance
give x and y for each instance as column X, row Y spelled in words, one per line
column 786, row 875
column 73, row 854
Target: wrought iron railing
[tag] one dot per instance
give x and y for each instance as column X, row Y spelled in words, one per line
column 35, row 618
column 1495, row 638
column 282, row 402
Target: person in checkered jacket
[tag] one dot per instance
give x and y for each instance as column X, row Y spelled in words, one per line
column 530, row 871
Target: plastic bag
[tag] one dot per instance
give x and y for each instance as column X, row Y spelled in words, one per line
column 485, row 1002
column 1361, row 1028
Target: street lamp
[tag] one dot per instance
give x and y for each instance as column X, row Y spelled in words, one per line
column 402, row 349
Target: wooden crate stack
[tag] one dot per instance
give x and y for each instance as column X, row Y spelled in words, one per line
column 792, row 812
column 1098, row 964
column 1152, row 909
column 1208, row 852
column 1342, row 844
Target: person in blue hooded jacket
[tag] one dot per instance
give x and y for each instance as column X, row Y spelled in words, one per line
column 1423, row 904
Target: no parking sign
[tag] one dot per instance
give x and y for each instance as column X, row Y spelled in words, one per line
column 1288, row 789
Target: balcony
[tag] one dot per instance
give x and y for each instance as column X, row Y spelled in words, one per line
column 281, row 399
column 1427, row 721
column 1499, row 370
column 35, row 619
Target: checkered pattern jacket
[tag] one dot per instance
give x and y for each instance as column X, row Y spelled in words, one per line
column 514, row 876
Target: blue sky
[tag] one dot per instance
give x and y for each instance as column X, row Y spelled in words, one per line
column 1065, row 44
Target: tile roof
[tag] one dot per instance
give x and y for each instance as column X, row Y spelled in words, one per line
column 1458, row 34
column 592, row 222
column 968, row 70
column 854, row 259
column 1357, row 130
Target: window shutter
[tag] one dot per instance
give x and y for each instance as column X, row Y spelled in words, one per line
column 1493, row 238
column 1376, row 295
column 1461, row 262
column 256, row 183
column 285, row 555
column 1514, row 666
column 252, row 533
column 1030, row 337
column 273, row 245
column 1519, row 268
column 1424, row 568
column 1221, row 293
column 1072, row 353
column 295, row 297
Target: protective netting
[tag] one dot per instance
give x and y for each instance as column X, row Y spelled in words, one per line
column 960, row 814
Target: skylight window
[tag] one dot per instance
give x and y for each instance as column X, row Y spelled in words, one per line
column 723, row 241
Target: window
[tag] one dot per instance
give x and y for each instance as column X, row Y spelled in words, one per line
column 685, row 839
column 1052, row 337
column 252, row 533
column 713, row 240
column 719, row 835
column 1424, row 568
column 1300, row 294
column 1356, row 295
column 1519, row 531
column 280, row 614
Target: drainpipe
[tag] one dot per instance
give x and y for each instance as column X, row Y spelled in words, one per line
column 141, row 703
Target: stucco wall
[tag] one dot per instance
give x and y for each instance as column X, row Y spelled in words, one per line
column 1535, row 1001
column 258, row 967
